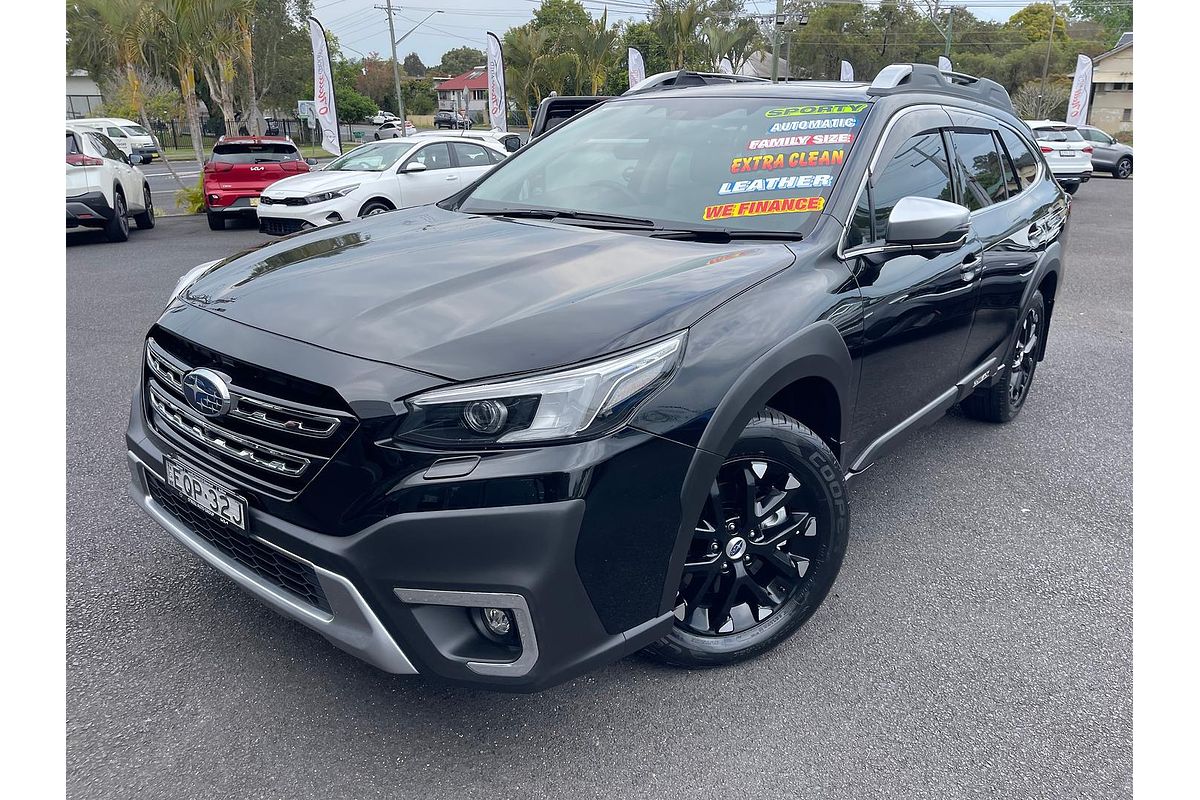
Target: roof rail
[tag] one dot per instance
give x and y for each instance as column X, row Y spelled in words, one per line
column 678, row 79
column 902, row 78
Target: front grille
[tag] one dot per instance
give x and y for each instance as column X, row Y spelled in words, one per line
column 281, row 227
column 264, row 441
column 292, row 576
column 283, row 201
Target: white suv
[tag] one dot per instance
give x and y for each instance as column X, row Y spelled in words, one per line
column 104, row 187
column 1067, row 153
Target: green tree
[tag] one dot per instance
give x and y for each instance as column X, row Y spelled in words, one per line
column 420, row 96
column 460, row 60
column 676, row 22
column 1115, row 15
column 1033, row 22
column 525, row 49
column 413, row 66
column 560, row 19
column 593, row 46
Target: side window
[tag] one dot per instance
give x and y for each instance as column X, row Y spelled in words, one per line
column 983, row 172
column 105, row 147
column 920, row 168
column 1023, row 158
column 496, row 157
column 471, row 155
column 115, row 133
column 433, row 156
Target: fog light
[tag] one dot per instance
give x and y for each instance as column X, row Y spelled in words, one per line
column 485, row 416
column 212, row 198
column 497, row 621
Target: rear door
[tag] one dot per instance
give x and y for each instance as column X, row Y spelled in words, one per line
column 471, row 160
column 1104, row 154
column 436, row 182
column 129, row 179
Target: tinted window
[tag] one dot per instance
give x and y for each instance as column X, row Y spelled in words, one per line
column 919, row 169
column 115, row 133
column 72, row 145
column 434, row 156
column 106, row 148
column 471, row 155
column 1022, row 160
column 983, row 172
column 247, row 153
column 1057, row 135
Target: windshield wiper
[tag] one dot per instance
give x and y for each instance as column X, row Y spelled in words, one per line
column 722, row 235
column 582, row 216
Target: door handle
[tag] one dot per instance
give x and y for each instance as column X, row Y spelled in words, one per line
column 969, row 267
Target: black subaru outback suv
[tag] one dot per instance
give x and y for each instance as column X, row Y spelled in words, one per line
column 608, row 397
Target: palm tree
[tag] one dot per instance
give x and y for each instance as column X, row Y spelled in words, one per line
column 179, row 29
column 525, row 50
column 245, row 24
column 218, row 53
column 675, row 22
column 593, row 45
column 734, row 43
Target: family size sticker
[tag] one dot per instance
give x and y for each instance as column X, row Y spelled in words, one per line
column 793, row 160
column 758, row 208
column 806, row 111
column 800, row 141
column 777, row 184
column 814, row 124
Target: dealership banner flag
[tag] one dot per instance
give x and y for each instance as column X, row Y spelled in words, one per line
column 1081, row 92
column 944, row 64
column 323, row 89
column 637, row 67
column 847, row 71
column 497, row 101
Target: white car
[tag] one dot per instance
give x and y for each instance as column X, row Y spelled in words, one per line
column 382, row 117
column 131, row 138
column 1067, row 153
column 104, row 187
column 394, row 129
column 510, row 142
column 376, row 177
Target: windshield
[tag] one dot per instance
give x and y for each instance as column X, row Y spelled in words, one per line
column 727, row 163
column 1057, row 135
column 246, row 153
column 137, row 130
column 375, row 157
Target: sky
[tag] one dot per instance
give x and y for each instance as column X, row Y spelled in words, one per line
column 361, row 28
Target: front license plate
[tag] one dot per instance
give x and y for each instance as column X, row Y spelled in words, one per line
column 253, row 201
column 205, row 495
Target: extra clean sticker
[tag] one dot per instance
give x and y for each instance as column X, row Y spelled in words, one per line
column 792, row 160
column 758, row 208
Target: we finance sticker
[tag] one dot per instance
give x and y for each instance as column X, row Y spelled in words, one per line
column 758, row 208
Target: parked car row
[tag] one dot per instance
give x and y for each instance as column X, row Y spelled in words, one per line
column 105, row 189
column 1074, row 153
column 129, row 137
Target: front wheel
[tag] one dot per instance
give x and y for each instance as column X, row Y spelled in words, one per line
column 1005, row 397
column 765, row 550
column 374, row 207
column 117, row 229
column 145, row 220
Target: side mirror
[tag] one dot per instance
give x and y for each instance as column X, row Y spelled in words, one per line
column 135, row 159
column 414, row 166
column 312, row 162
column 927, row 222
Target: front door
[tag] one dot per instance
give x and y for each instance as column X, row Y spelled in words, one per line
column 436, row 182
column 918, row 304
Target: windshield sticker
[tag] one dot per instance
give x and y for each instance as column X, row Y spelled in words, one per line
column 793, row 160
column 804, row 111
column 758, row 208
column 813, row 124
column 800, row 141
column 776, row 184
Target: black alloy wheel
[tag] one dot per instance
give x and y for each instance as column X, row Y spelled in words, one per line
column 1001, row 399
column 117, row 229
column 1124, row 168
column 145, row 220
column 766, row 549
column 1025, row 357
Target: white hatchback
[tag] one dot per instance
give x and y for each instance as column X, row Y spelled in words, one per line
column 374, row 178
column 1067, row 153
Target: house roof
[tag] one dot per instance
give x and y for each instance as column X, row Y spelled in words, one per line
column 473, row 79
column 1124, row 43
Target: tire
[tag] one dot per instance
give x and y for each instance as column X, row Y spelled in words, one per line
column 763, row 579
column 1072, row 188
column 373, row 207
column 1005, row 397
column 117, row 228
column 377, row 137
column 145, row 220
column 216, row 222
column 1124, row 168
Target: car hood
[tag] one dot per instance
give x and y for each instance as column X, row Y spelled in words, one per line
column 465, row 297
column 317, row 181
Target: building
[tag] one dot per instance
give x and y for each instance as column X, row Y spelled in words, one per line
column 83, row 95
column 466, row 92
column 1112, row 88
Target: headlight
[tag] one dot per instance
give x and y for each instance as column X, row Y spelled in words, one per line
column 330, row 195
column 190, row 277
column 581, row 401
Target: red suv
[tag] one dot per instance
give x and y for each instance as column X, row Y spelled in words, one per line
column 240, row 168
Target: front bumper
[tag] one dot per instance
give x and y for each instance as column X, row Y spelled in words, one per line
column 583, row 582
column 89, row 210
column 148, row 150
column 278, row 218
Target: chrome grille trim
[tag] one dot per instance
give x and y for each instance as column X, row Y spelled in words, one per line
column 257, row 409
column 219, row 440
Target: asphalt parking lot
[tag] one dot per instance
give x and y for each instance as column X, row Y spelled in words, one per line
column 977, row 643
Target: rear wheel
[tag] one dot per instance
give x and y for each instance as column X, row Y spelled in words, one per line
column 1124, row 168
column 766, row 549
column 117, row 229
column 145, row 220
column 216, row 221
column 1005, row 397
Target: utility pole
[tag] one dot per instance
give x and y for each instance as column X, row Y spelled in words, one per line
column 775, row 41
column 1046, row 65
column 949, row 31
column 394, row 42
